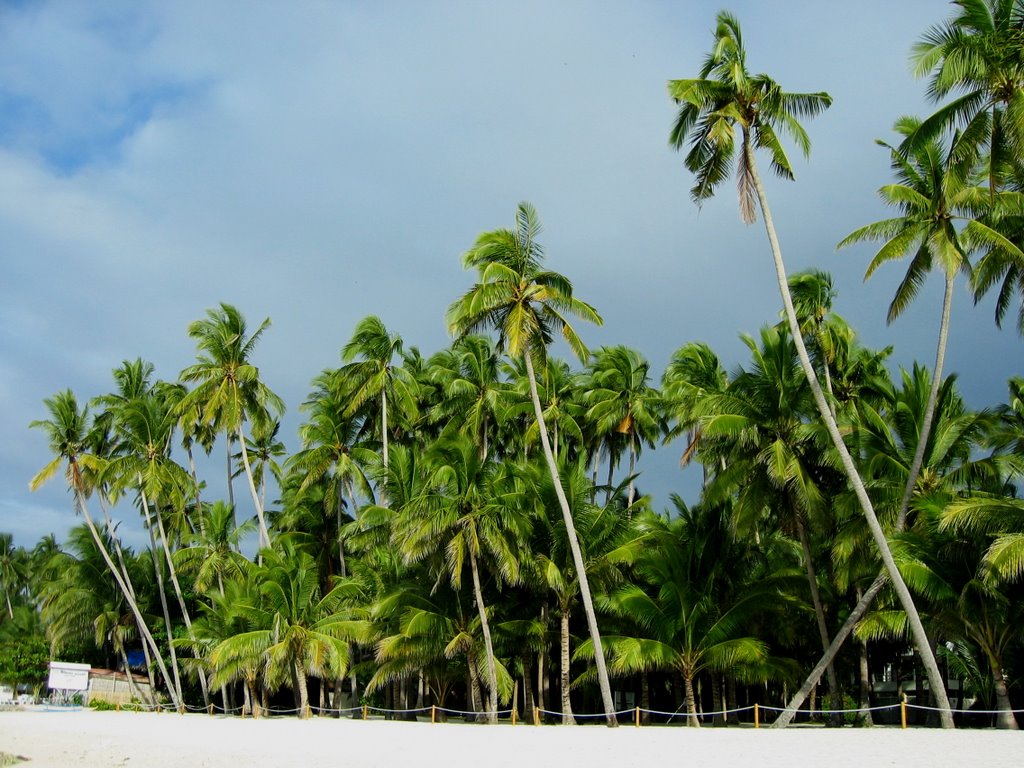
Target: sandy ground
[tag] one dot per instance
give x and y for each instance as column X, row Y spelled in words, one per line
column 87, row 739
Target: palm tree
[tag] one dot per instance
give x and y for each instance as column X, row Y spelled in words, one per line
column 13, row 569
column 775, row 461
column 941, row 223
column 67, row 431
column 228, row 389
column 727, row 96
column 472, row 392
column 370, row 373
column 976, row 55
column 682, row 620
column 611, row 541
column 692, row 375
column 526, row 305
column 296, row 629
column 464, row 513
column 621, row 403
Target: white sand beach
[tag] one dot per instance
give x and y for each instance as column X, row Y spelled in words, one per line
column 88, row 739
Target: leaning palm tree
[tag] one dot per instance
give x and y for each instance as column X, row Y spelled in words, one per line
column 526, row 305
column 67, row 430
column 727, row 105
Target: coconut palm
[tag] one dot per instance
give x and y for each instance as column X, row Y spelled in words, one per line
column 726, row 97
column 228, row 389
column 977, row 56
column 622, row 404
column 467, row 515
column 681, row 621
column 941, row 223
column 67, row 431
column 775, row 462
column 472, row 393
column 294, row 627
column 369, row 372
column 610, row 539
column 13, row 570
column 527, row 305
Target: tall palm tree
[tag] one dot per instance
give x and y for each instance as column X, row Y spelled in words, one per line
column 67, row 431
column 228, row 389
column 941, row 223
column 526, row 305
column 726, row 97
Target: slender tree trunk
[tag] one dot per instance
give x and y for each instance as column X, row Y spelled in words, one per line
column 133, row 689
column 906, row 600
column 577, row 555
column 300, row 680
column 181, row 598
column 542, row 683
column 264, row 534
column 231, row 478
column 565, row 676
column 475, row 698
column 163, row 599
column 129, row 598
column 819, row 613
column 716, row 700
column 929, row 411
column 492, row 677
column 691, row 702
column 632, row 471
column 786, row 716
column 865, row 685
column 645, row 697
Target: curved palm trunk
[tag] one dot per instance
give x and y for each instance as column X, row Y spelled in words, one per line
column 929, row 411
column 181, row 598
column 158, row 571
column 819, row 613
column 264, row 535
column 565, row 678
column 577, row 555
column 492, row 677
column 128, row 596
column 906, row 600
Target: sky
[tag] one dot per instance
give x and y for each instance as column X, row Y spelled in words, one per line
column 318, row 162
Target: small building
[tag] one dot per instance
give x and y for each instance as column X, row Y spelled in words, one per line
column 113, row 687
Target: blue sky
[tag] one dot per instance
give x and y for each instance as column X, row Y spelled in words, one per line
column 317, row 162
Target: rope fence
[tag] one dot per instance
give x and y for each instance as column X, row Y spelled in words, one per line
column 367, row 712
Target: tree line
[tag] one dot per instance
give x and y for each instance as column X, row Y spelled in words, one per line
column 450, row 523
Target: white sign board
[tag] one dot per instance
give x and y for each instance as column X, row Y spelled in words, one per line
column 65, row 676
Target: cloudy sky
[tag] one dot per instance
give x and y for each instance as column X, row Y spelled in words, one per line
column 316, row 162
